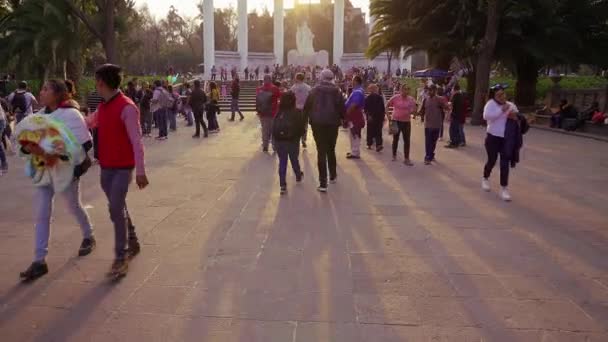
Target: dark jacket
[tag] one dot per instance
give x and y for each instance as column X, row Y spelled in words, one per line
column 325, row 105
column 374, row 107
column 197, row 101
column 513, row 140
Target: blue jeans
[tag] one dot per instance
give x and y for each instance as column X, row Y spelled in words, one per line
column 430, row 142
column 463, row 138
column 288, row 150
column 455, row 138
column 234, row 108
column 161, row 121
column 44, row 210
column 172, row 119
column 115, row 184
column 3, row 163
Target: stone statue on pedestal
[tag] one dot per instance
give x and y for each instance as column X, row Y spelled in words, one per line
column 304, row 40
column 305, row 54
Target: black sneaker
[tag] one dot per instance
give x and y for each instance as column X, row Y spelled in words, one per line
column 283, row 190
column 36, row 270
column 322, row 188
column 300, row 177
column 196, row 136
column 134, row 248
column 119, row 267
column 87, row 246
column 379, row 148
column 265, row 149
column 333, row 180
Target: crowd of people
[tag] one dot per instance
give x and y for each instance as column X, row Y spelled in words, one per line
column 119, row 118
column 285, row 113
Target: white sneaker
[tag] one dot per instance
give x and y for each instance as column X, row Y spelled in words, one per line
column 504, row 194
column 485, row 185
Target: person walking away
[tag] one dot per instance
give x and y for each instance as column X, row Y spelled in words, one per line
column 146, row 113
column 354, row 117
column 224, row 91
column 404, row 106
column 498, row 112
column 266, row 105
column 445, row 111
column 301, row 90
column 186, row 106
column 257, row 73
column 457, row 118
column 3, row 125
column 246, row 73
column 55, row 96
column 432, row 114
column 172, row 111
column 22, row 102
column 235, row 92
column 120, row 152
column 213, row 108
column 197, row 101
column 287, row 130
column 325, row 108
column 158, row 106
column 375, row 113
column 213, row 72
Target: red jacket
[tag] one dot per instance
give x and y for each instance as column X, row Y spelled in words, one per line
column 115, row 149
column 276, row 95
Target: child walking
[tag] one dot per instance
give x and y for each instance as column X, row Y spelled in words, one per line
column 287, row 130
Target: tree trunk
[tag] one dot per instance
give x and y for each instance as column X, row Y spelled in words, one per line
column 471, row 75
column 484, row 62
column 109, row 35
column 527, row 77
column 74, row 69
column 390, row 59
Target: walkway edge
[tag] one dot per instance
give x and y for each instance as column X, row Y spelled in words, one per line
column 576, row 134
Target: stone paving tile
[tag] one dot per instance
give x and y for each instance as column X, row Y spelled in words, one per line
column 156, row 299
column 327, row 332
column 389, row 254
column 386, row 309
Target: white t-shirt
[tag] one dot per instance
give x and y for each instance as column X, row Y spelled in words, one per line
column 497, row 118
column 29, row 99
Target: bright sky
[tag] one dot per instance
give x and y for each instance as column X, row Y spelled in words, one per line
column 159, row 8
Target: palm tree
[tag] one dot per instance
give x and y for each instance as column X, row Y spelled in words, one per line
column 41, row 35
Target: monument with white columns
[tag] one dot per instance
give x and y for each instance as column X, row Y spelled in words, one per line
column 304, row 55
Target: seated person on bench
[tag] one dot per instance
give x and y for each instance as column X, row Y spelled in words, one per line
column 566, row 111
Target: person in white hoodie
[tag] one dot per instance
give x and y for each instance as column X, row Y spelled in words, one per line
column 55, row 95
column 496, row 112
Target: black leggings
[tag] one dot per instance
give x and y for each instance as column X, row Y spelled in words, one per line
column 494, row 147
column 405, row 128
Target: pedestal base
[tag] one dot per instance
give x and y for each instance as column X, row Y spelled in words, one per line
column 320, row 58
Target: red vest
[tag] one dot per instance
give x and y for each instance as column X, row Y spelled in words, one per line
column 114, row 146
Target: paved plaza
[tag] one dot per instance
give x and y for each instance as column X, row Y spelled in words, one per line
column 390, row 253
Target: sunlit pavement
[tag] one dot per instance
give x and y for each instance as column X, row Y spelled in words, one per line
column 390, row 253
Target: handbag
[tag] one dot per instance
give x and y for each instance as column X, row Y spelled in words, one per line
column 393, row 127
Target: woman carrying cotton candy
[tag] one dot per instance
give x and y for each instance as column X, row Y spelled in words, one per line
column 56, row 96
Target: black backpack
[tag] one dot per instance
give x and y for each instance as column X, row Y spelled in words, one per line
column 283, row 126
column 19, row 102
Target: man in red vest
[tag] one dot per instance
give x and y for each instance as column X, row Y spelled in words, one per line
column 120, row 152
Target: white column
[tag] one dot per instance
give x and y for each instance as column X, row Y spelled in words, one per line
column 243, row 27
column 372, row 21
column 278, row 31
column 338, row 31
column 209, row 37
